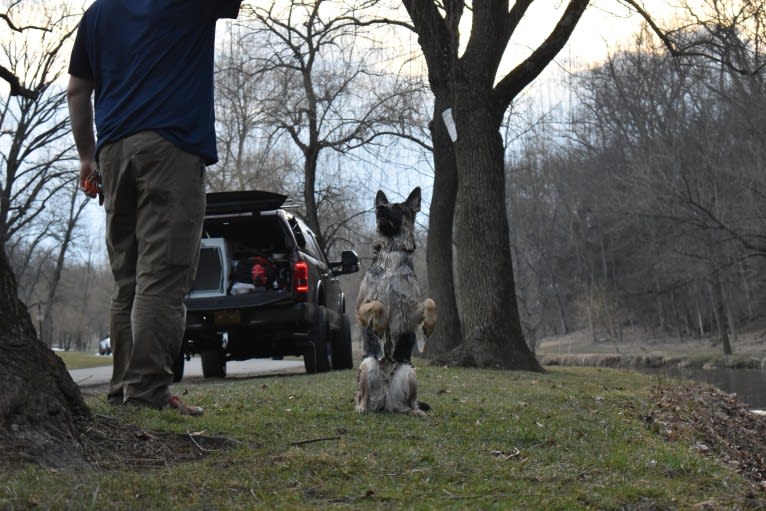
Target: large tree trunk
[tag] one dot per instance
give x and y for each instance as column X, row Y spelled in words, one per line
column 441, row 280
column 40, row 406
column 491, row 322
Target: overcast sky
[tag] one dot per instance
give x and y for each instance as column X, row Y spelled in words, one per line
column 604, row 27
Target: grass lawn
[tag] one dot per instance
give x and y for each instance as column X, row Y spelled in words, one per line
column 81, row 360
column 573, row 438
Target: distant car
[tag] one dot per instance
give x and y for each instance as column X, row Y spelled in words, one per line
column 105, row 346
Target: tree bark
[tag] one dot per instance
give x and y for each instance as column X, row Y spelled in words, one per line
column 492, row 329
column 41, row 408
column 439, row 251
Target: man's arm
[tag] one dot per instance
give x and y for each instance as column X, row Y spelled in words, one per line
column 79, row 92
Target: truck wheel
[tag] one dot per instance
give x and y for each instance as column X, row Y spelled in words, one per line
column 316, row 358
column 342, row 358
column 213, row 364
column 178, row 367
column 309, row 360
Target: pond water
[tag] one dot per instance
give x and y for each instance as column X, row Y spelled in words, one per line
column 748, row 384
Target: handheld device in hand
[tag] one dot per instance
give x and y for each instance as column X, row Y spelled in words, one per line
column 94, row 186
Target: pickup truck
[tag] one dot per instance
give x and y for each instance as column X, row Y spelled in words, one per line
column 264, row 288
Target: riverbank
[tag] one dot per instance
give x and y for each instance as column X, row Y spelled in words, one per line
column 639, row 350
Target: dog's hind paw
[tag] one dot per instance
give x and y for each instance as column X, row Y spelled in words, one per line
column 429, row 316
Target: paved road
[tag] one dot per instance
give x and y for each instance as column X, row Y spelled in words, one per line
column 95, row 376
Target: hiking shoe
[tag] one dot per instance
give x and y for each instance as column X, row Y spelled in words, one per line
column 183, row 409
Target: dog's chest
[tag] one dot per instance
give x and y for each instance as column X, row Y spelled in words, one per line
column 392, row 273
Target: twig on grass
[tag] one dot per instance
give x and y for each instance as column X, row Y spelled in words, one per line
column 202, row 449
column 311, row 441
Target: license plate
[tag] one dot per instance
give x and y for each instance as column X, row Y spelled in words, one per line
column 226, row 317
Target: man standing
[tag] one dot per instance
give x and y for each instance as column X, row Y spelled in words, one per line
column 150, row 64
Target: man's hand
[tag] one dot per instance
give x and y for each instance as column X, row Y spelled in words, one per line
column 88, row 185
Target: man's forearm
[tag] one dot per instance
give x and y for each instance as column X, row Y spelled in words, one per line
column 81, row 118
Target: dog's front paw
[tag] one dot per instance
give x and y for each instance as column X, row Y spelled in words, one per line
column 417, row 412
column 373, row 315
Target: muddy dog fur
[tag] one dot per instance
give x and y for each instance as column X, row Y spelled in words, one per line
column 389, row 312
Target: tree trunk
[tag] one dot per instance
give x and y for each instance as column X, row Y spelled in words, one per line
column 492, row 330
column 40, row 406
column 658, row 304
column 309, row 194
column 560, row 306
column 439, row 251
column 589, row 308
column 717, row 298
column 700, row 322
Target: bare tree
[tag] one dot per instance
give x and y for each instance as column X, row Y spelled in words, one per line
column 470, row 92
column 64, row 239
column 250, row 158
column 327, row 90
column 36, row 129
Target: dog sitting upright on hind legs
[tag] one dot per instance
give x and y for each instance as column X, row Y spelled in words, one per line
column 389, row 311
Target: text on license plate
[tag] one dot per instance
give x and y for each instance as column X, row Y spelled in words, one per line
column 226, row 317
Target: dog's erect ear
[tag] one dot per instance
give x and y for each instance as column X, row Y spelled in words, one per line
column 380, row 198
column 413, row 201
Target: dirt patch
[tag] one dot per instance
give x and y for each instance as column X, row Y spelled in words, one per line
column 713, row 422
column 111, row 444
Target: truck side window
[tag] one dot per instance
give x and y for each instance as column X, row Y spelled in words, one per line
column 312, row 246
column 298, row 233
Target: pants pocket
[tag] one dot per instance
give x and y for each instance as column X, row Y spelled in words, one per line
column 182, row 243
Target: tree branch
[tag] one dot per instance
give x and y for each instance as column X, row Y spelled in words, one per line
column 521, row 76
column 16, row 88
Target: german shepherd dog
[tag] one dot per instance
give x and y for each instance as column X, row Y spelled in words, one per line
column 389, row 312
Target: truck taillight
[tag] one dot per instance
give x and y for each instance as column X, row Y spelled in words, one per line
column 301, row 277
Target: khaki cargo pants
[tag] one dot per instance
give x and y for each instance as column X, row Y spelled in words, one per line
column 154, row 196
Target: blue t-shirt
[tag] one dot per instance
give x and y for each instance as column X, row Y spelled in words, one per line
column 152, row 65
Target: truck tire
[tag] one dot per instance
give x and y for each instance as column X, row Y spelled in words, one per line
column 309, row 359
column 178, row 367
column 342, row 357
column 316, row 357
column 213, row 364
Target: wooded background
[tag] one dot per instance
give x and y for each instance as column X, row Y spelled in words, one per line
column 637, row 198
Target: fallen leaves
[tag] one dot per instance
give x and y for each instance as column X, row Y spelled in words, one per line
column 715, row 423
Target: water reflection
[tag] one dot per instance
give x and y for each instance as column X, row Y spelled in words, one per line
column 748, row 384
